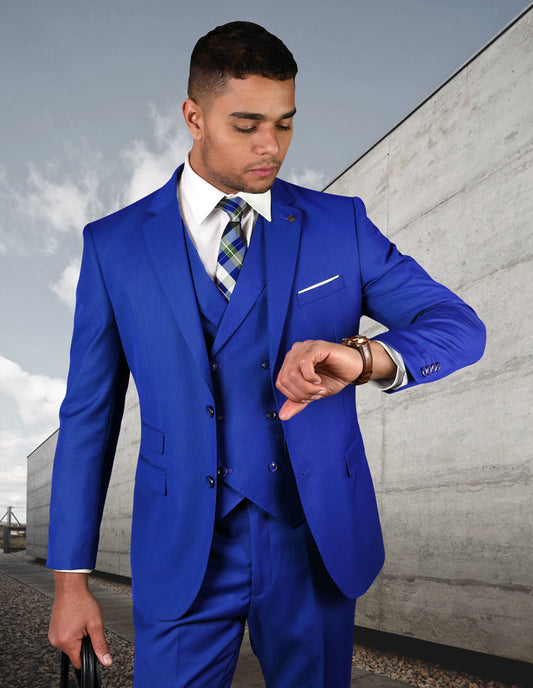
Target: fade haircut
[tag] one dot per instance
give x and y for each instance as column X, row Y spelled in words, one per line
column 237, row 50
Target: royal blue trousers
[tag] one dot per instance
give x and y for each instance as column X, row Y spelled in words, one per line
column 263, row 571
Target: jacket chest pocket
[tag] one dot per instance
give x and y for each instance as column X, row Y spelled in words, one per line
column 320, row 289
column 318, row 308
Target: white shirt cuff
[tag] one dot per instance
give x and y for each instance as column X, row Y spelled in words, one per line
column 400, row 379
column 74, row 570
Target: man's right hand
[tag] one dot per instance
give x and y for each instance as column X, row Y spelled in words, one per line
column 76, row 614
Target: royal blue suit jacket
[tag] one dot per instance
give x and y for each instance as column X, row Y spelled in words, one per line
column 136, row 312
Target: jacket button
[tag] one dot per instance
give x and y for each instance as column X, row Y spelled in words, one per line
column 210, row 411
column 210, row 481
column 271, row 415
column 222, row 471
column 214, row 366
column 265, row 365
column 273, row 466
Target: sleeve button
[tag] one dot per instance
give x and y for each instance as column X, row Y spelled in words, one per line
column 271, row 415
column 210, row 481
column 273, row 466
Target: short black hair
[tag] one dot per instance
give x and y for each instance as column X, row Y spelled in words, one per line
column 237, row 50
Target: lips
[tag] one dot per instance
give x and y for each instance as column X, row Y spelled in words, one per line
column 264, row 171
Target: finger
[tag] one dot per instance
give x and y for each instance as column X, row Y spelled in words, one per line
column 297, row 389
column 100, row 646
column 307, row 369
column 301, row 360
column 74, row 653
column 68, row 643
column 291, row 408
column 299, row 381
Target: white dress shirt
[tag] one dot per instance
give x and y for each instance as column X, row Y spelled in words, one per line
column 205, row 222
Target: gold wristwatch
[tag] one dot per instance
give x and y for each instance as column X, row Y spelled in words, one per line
column 362, row 344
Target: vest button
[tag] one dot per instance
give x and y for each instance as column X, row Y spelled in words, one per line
column 222, row 471
column 210, row 411
column 271, row 415
column 265, row 365
column 214, row 366
column 210, row 481
column 273, row 466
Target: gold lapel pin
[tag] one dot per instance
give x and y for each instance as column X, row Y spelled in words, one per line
column 291, row 218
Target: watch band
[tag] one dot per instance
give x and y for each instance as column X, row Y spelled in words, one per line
column 362, row 344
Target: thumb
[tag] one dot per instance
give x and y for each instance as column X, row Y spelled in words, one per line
column 291, row 408
column 101, row 648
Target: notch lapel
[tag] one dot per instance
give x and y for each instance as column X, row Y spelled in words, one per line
column 282, row 241
column 164, row 234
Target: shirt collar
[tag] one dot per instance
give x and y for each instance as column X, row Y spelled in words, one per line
column 202, row 196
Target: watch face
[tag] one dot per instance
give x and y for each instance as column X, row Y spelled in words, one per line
column 355, row 341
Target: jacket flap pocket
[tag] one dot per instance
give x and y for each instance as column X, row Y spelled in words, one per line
column 150, row 476
column 354, row 455
column 320, row 289
column 152, row 440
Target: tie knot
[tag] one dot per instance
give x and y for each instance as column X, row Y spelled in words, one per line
column 234, row 207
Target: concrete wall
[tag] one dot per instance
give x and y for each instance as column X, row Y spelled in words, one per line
column 451, row 460
column 38, row 483
column 452, row 185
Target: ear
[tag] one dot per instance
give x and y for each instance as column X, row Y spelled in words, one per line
column 193, row 116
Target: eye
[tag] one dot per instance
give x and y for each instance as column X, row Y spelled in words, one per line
column 248, row 130
column 284, row 127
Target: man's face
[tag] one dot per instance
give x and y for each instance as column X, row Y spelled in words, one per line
column 241, row 137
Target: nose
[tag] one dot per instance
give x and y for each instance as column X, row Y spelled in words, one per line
column 267, row 142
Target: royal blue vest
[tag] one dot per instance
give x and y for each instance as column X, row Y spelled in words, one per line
column 253, row 462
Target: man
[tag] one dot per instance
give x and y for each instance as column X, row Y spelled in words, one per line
column 234, row 298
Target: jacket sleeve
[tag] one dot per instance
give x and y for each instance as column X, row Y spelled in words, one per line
column 90, row 418
column 431, row 327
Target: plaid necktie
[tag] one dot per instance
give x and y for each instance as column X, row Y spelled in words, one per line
column 232, row 246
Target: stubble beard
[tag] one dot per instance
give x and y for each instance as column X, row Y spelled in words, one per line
column 235, row 182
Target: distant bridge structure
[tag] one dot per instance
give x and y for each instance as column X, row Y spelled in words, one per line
column 13, row 536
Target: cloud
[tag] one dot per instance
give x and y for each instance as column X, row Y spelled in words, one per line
column 311, row 179
column 59, row 206
column 151, row 164
column 65, row 287
column 37, row 212
column 37, row 397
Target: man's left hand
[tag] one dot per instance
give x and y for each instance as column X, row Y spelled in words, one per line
column 315, row 369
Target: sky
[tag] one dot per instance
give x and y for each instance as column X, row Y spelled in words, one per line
column 91, row 120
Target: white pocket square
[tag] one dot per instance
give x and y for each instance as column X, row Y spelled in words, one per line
column 318, row 284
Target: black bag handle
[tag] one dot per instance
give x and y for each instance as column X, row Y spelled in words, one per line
column 89, row 675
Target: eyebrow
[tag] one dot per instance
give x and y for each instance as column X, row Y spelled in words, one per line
column 258, row 116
